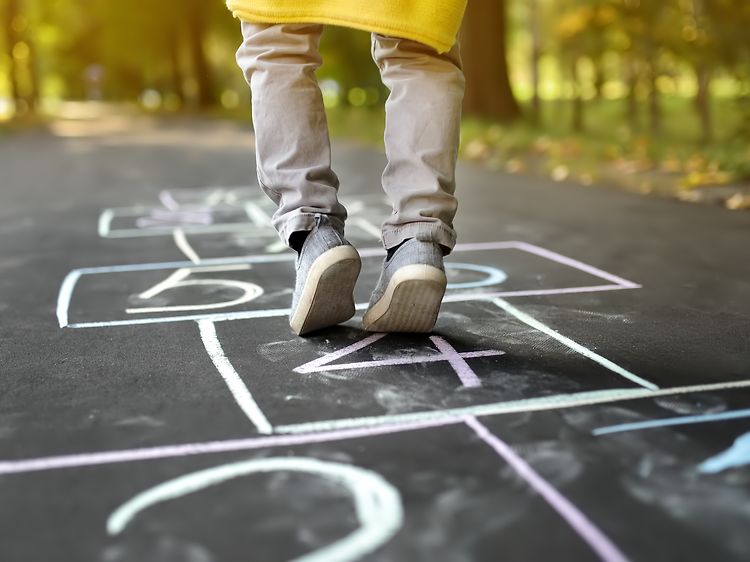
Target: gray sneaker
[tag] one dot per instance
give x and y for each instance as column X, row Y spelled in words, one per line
column 410, row 290
column 327, row 269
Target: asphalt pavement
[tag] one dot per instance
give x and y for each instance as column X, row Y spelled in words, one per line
column 585, row 394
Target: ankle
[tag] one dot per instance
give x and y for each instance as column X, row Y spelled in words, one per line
column 297, row 240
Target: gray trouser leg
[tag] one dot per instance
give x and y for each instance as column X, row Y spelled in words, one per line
column 293, row 150
column 422, row 132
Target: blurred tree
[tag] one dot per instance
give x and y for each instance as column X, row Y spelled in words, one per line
column 196, row 13
column 347, row 60
column 20, row 54
column 536, row 55
column 649, row 32
column 483, row 39
column 584, row 34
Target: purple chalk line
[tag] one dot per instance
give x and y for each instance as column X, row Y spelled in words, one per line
column 461, row 297
column 467, row 375
column 559, row 258
column 581, row 524
column 168, row 200
column 189, row 449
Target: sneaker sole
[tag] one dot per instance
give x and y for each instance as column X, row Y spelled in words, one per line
column 327, row 298
column 411, row 301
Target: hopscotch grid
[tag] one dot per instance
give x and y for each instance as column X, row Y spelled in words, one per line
column 70, row 281
column 335, row 430
column 105, row 230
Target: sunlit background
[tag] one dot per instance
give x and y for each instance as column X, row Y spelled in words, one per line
column 653, row 95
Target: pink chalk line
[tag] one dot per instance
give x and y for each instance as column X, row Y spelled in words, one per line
column 582, row 525
column 559, row 258
column 168, row 200
column 209, row 447
column 467, row 375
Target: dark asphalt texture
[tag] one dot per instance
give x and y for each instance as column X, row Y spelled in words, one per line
column 86, row 390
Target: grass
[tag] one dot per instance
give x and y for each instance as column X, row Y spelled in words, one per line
column 673, row 163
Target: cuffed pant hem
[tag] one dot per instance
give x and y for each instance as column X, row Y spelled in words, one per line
column 436, row 232
column 305, row 221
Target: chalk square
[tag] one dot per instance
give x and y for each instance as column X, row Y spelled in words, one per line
column 492, row 270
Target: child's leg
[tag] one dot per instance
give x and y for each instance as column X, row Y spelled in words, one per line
column 292, row 146
column 422, row 131
column 294, row 169
column 422, row 127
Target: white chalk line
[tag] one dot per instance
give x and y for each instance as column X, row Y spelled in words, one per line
column 179, row 274
column 63, row 298
column 180, row 239
column 556, row 402
column 105, row 222
column 236, row 386
column 258, row 215
column 603, row 361
column 216, row 317
column 355, row 428
column 338, row 354
column 250, row 292
column 367, row 227
column 377, row 502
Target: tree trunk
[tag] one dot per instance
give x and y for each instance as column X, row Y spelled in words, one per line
column 631, row 110
column 11, row 38
column 484, row 36
column 176, row 77
column 536, row 53
column 599, row 77
column 34, row 93
column 578, row 121
column 654, row 108
column 703, row 102
column 196, row 31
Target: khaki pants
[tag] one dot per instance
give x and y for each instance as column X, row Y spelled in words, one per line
column 293, row 150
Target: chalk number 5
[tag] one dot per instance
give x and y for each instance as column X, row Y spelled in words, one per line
column 248, row 291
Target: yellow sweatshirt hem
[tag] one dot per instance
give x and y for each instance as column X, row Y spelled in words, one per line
column 440, row 44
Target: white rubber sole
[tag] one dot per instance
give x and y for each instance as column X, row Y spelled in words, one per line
column 411, row 301
column 327, row 298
